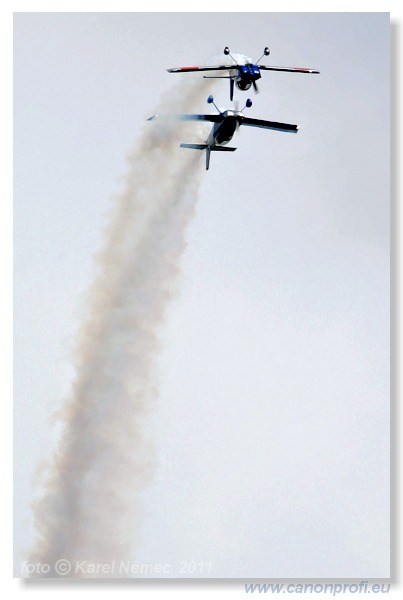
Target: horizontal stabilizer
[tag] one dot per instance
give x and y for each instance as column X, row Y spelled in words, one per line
column 194, row 146
column 217, row 76
column 222, row 149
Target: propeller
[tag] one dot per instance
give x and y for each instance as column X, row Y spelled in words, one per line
column 255, row 87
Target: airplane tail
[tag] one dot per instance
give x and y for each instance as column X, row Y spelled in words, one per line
column 208, row 149
column 200, row 147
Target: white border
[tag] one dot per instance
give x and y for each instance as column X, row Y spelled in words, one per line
column 12, row 588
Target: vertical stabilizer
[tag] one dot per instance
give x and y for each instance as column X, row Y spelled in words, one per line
column 208, row 150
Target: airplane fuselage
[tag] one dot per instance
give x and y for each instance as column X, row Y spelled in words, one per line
column 223, row 132
column 245, row 75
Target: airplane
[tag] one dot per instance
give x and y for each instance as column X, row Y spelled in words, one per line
column 243, row 76
column 225, row 125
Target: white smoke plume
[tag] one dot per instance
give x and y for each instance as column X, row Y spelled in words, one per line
column 90, row 509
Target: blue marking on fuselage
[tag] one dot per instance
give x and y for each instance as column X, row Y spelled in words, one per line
column 250, row 72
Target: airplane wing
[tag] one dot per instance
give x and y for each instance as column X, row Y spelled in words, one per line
column 185, row 69
column 211, row 118
column 270, row 125
column 288, row 69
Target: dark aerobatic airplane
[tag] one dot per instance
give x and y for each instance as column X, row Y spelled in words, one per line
column 225, row 125
column 243, row 76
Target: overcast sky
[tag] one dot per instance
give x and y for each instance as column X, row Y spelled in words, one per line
column 271, row 425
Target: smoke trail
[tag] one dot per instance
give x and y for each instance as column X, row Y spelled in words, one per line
column 91, row 509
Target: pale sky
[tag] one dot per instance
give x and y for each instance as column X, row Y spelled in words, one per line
column 271, row 427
